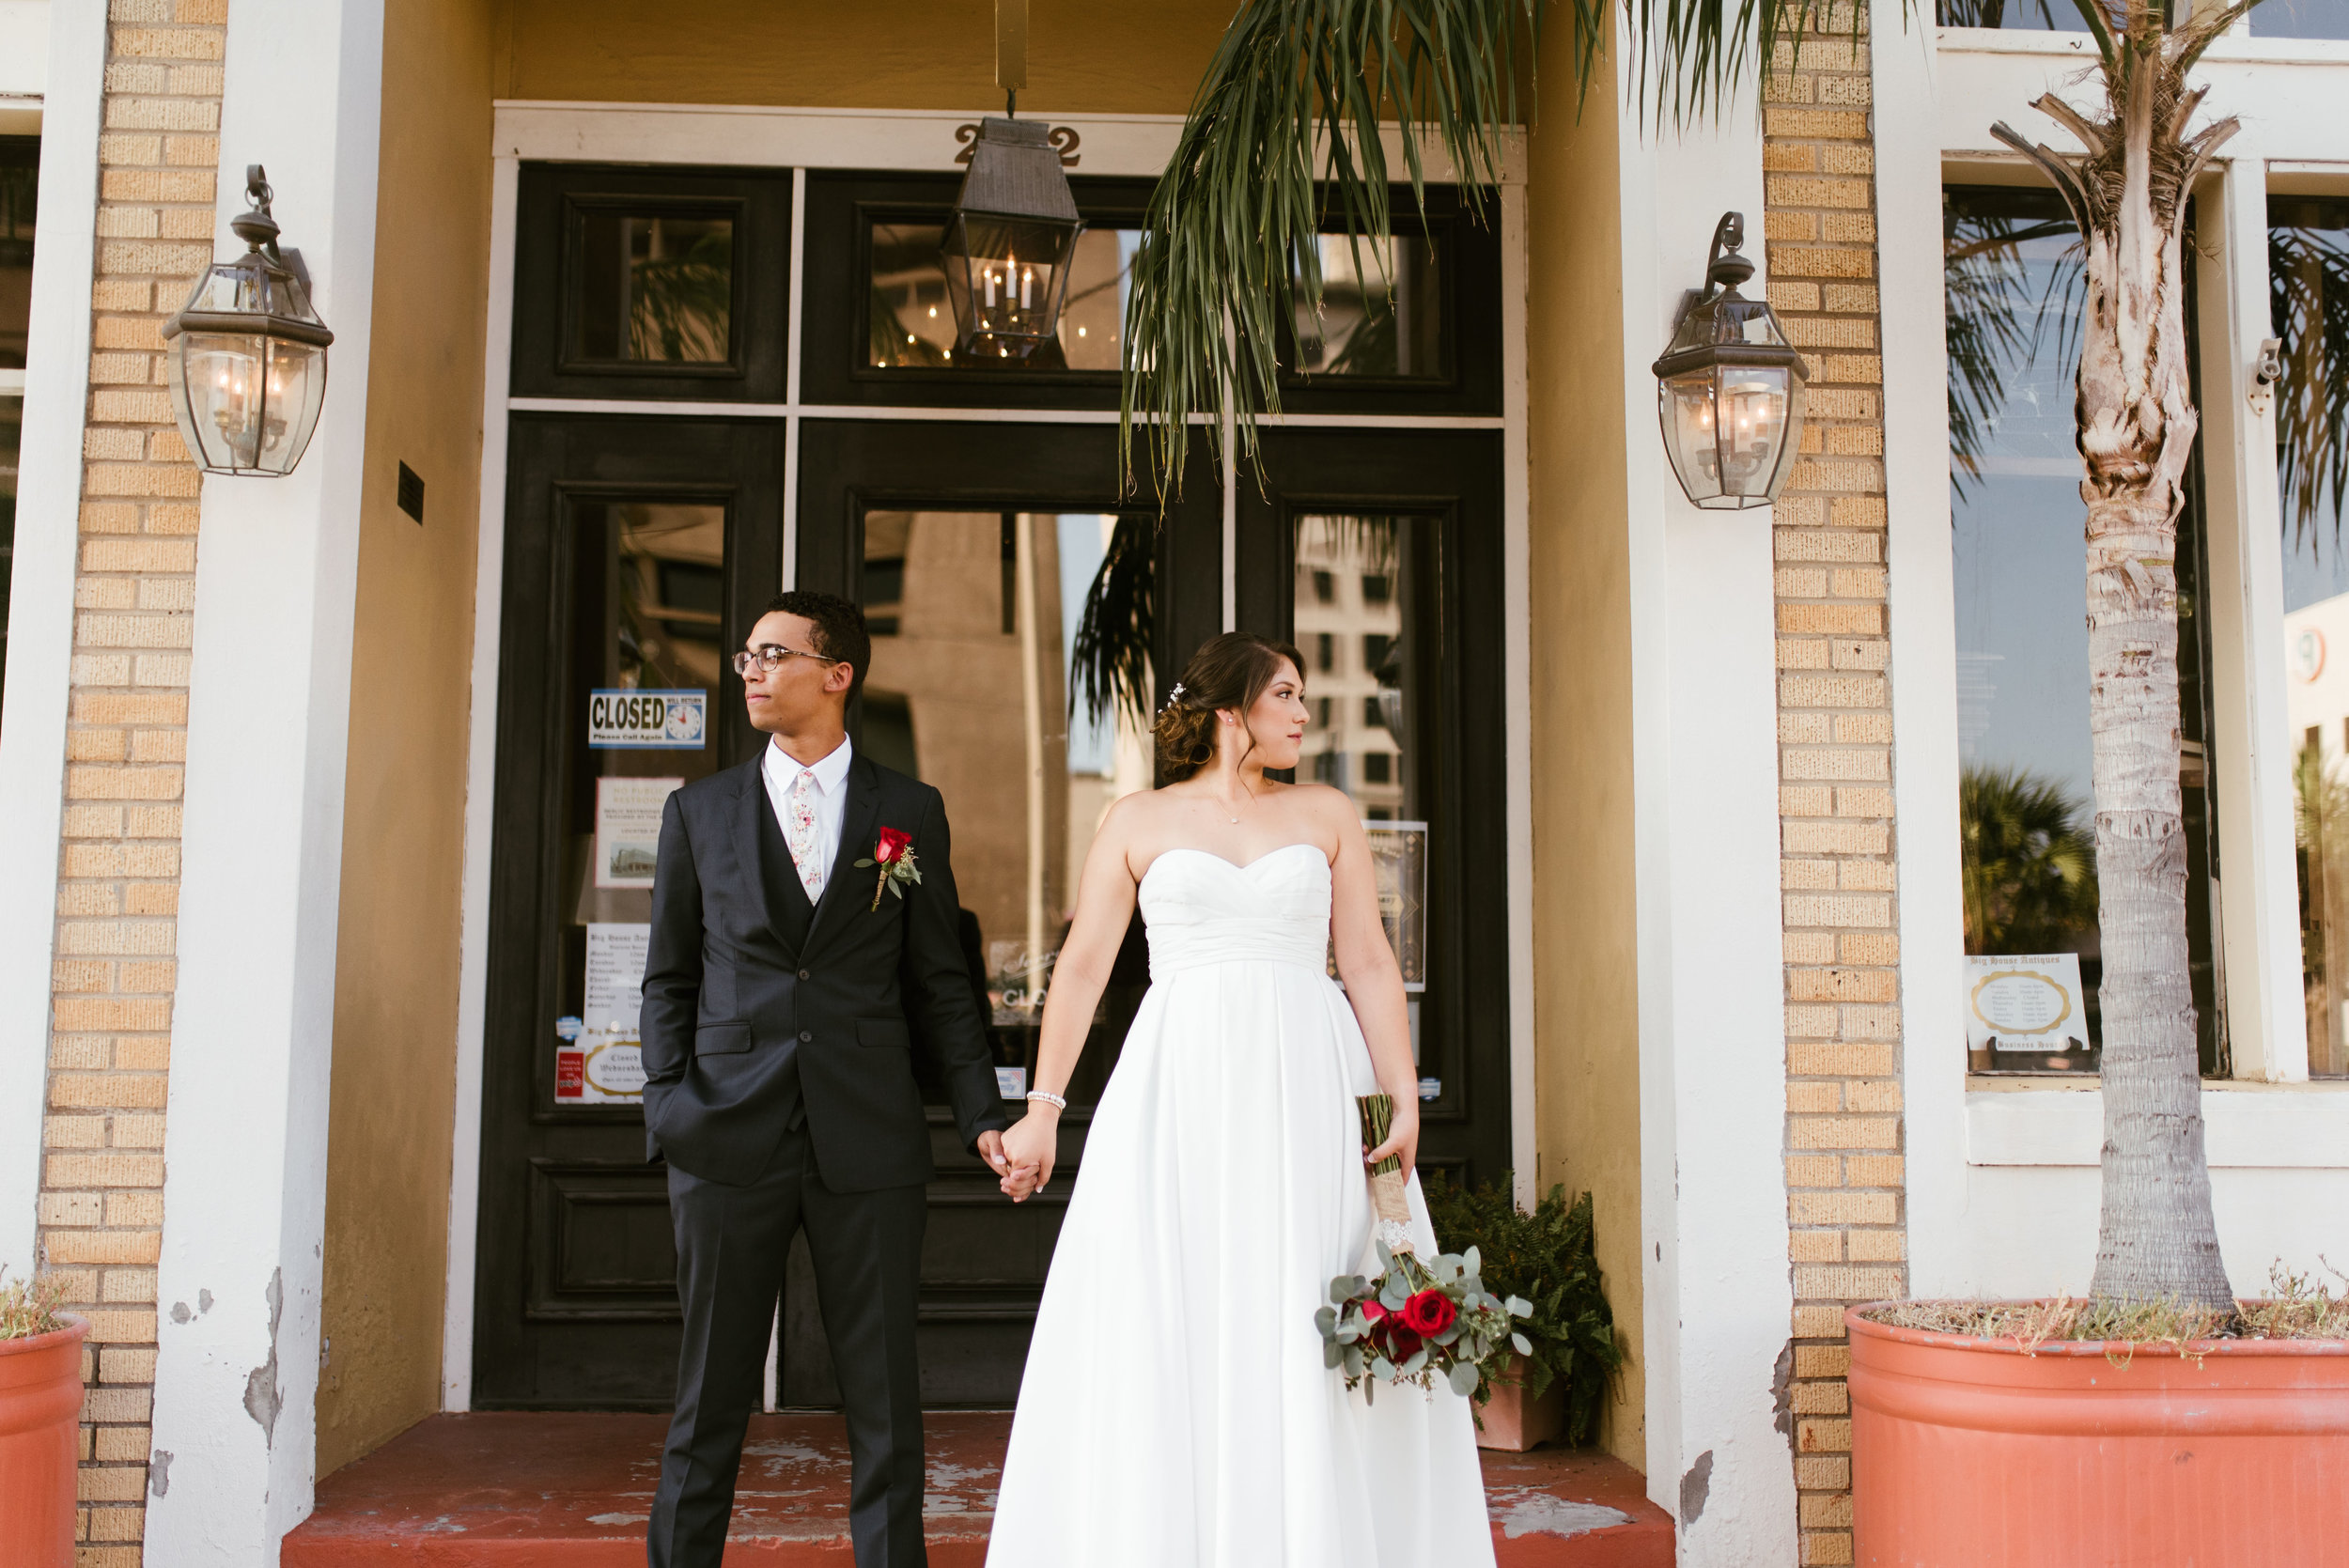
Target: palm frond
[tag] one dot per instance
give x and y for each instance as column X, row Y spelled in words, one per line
column 1109, row 660
column 1284, row 138
column 2308, row 280
column 2029, row 869
column 1986, row 288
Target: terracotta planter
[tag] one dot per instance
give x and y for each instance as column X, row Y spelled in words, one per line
column 1968, row 1454
column 40, row 1416
column 1512, row 1422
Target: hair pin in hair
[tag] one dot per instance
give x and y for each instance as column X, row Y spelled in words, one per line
column 1172, row 697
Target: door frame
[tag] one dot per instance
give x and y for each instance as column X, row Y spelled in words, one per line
column 802, row 139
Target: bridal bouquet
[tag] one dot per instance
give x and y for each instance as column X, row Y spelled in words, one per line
column 1420, row 1318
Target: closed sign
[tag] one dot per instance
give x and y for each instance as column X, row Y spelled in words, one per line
column 672, row 721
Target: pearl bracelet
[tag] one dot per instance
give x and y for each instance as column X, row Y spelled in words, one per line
column 1055, row 1101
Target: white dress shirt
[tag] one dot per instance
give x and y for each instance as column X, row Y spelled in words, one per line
column 782, row 770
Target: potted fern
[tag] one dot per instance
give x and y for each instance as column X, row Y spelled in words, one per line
column 1546, row 1257
column 40, row 1411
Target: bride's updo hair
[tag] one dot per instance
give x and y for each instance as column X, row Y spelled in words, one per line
column 1228, row 672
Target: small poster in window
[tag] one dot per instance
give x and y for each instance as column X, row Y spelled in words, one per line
column 2026, row 1003
column 602, row 1064
column 1398, row 860
column 623, row 719
column 628, row 828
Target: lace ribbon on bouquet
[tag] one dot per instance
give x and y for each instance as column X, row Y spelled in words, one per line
column 1390, row 1210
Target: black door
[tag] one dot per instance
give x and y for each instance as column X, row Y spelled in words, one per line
column 636, row 550
column 975, row 549
column 1008, row 578
column 1381, row 555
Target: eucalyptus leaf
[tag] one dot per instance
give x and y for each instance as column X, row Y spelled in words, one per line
column 1332, row 1354
column 1520, row 1307
column 1327, row 1321
column 1341, row 1288
column 1523, row 1345
column 1475, row 1260
column 1464, row 1378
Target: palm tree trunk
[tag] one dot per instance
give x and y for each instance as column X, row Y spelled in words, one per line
column 2157, row 1240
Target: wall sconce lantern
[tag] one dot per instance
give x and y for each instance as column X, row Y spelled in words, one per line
column 247, row 355
column 1730, row 388
column 1008, row 245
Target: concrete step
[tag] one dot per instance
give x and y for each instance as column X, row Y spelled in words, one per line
column 572, row 1491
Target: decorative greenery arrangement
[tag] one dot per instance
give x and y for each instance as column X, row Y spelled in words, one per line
column 1546, row 1257
column 30, row 1306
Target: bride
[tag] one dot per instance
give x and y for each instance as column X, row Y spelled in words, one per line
column 1175, row 1412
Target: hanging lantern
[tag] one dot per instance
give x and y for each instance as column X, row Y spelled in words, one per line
column 1730, row 388
column 1009, row 243
column 247, row 354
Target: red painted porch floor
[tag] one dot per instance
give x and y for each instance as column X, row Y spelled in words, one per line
column 572, row 1491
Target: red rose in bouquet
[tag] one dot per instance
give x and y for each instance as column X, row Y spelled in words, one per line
column 1389, row 1332
column 1429, row 1312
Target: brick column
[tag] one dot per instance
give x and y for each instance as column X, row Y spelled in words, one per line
column 101, row 1181
column 1844, row 1164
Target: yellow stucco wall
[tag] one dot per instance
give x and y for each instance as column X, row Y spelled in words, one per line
column 1585, row 961
column 1083, row 56
column 403, row 839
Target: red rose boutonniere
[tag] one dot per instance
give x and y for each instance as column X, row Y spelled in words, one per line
column 893, row 854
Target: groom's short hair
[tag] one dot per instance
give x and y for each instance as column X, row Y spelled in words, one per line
column 839, row 623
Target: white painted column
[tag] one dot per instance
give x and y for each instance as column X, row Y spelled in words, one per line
column 1718, row 1302
column 41, row 615
column 2253, row 749
column 244, row 1193
column 1920, row 569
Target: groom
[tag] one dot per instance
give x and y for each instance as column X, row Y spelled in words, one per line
column 782, row 998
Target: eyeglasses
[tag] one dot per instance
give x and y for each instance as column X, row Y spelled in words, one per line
column 770, row 657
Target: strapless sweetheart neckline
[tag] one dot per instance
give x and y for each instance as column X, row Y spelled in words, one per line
column 1243, row 870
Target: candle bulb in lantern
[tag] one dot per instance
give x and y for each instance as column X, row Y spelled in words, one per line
column 1027, row 286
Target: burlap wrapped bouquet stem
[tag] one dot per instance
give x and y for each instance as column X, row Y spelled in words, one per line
column 1390, row 1207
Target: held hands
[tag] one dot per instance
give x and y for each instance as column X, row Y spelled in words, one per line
column 1402, row 1134
column 1028, row 1150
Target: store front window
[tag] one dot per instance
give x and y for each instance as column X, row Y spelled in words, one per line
column 2038, row 16
column 20, row 193
column 2013, row 297
column 2300, row 19
column 2307, row 255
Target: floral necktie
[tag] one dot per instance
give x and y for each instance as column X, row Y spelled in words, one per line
column 801, row 810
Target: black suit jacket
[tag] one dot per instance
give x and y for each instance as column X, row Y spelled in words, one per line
column 734, row 1010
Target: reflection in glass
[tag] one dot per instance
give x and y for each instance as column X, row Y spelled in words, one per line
column 11, row 427
column 974, row 618
column 20, row 193
column 2060, row 16
column 2301, row 19
column 2014, row 291
column 2308, row 244
column 1366, row 593
column 1381, row 309
column 646, row 594
column 912, row 320
column 654, row 288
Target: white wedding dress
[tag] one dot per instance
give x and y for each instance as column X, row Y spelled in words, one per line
column 1175, row 1412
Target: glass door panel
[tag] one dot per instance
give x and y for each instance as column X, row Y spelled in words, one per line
column 974, row 618
column 1379, row 556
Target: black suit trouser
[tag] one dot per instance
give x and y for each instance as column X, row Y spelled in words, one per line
column 731, row 1244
